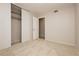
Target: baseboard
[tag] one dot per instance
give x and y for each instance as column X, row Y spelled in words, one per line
column 65, row 43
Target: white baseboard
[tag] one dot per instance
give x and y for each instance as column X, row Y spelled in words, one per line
column 65, row 43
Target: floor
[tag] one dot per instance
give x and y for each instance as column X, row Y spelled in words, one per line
column 40, row 47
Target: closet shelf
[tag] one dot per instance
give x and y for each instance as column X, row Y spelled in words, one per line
column 15, row 18
column 18, row 13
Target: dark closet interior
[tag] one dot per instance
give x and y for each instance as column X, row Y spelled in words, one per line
column 15, row 24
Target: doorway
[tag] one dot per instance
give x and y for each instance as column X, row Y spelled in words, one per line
column 42, row 28
column 15, row 24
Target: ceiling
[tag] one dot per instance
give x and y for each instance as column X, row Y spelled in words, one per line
column 39, row 9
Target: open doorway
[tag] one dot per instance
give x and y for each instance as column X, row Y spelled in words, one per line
column 15, row 24
column 42, row 28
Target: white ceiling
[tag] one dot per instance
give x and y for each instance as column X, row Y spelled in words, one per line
column 38, row 9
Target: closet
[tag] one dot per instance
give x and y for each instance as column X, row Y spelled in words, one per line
column 15, row 24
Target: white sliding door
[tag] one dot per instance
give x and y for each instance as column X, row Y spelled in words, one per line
column 35, row 28
column 26, row 26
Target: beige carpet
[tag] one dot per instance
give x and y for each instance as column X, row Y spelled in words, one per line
column 40, row 48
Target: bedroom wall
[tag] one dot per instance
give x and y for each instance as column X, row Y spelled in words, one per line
column 5, row 25
column 60, row 26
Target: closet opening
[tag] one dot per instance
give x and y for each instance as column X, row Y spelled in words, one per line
column 15, row 24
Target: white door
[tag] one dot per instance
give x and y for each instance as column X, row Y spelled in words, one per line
column 27, row 21
column 35, row 28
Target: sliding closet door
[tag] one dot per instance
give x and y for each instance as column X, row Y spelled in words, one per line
column 35, row 28
column 16, row 24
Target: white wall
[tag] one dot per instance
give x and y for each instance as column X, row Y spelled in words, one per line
column 77, row 25
column 60, row 26
column 27, row 19
column 35, row 28
column 5, row 25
